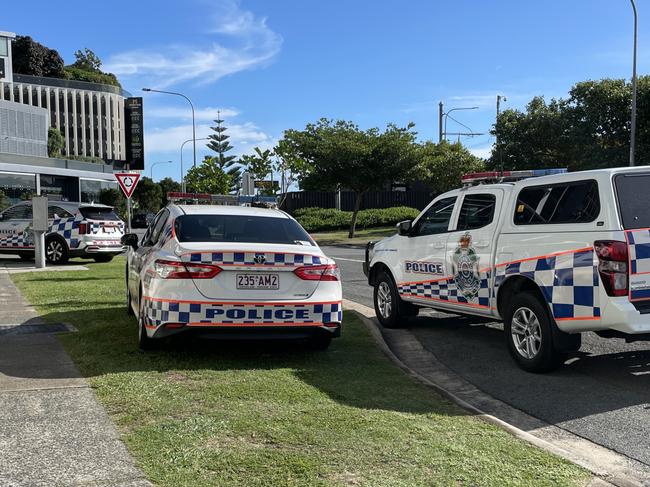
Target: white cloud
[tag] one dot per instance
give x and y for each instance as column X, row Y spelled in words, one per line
column 184, row 113
column 255, row 44
column 483, row 152
column 243, row 137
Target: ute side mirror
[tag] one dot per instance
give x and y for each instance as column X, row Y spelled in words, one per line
column 404, row 228
column 130, row 239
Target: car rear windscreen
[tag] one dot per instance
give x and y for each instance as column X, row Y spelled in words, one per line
column 240, row 228
column 633, row 193
column 98, row 213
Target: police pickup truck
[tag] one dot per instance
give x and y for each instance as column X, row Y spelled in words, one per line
column 550, row 253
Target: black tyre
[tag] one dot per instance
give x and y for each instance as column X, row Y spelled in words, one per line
column 144, row 342
column 56, row 250
column 103, row 258
column 319, row 342
column 391, row 311
column 529, row 331
column 129, row 308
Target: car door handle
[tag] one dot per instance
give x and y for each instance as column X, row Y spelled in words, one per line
column 482, row 244
column 439, row 245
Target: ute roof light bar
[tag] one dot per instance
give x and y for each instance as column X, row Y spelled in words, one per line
column 474, row 178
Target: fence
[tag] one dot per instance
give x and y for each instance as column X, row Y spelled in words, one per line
column 372, row 199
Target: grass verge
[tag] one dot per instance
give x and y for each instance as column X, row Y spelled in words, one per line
column 210, row 413
column 340, row 237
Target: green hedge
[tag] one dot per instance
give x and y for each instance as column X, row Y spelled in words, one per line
column 324, row 219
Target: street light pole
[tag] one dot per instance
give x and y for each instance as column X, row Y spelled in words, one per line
column 182, row 173
column 193, row 117
column 154, row 165
column 633, row 117
column 442, row 114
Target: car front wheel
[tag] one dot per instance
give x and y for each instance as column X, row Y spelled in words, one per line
column 529, row 334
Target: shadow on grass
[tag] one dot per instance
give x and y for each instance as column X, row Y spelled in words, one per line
column 352, row 371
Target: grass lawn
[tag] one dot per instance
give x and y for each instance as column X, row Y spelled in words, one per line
column 362, row 237
column 196, row 414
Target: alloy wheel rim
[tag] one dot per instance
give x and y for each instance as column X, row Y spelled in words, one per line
column 526, row 333
column 384, row 300
column 54, row 251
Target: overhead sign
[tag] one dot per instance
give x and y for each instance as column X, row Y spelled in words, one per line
column 134, row 132
column 127, row 181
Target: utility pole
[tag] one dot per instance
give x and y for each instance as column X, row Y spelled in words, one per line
column 633, row 117
column 496, row 132
column 440, row 115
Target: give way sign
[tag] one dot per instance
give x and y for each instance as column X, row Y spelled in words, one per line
column 127, row 181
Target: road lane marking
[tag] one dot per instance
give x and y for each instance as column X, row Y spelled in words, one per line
column 348, row 260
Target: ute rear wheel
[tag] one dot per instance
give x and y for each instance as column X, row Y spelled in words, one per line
column 529, row 334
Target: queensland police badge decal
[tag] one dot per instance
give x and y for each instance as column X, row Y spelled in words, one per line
column 466, row 268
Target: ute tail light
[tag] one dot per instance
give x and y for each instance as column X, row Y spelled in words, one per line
column 612, row 266
column 329, row 272
column 169, row 269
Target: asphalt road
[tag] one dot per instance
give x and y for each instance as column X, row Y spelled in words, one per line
column 602, row 393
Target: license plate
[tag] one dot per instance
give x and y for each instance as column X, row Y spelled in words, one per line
column 258, row 281
column 109, row 229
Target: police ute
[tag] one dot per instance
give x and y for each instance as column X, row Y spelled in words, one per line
column 74, row 230
column 232, row 272
column 552, row 254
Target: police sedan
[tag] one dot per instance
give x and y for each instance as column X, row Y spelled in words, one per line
column 231, row 271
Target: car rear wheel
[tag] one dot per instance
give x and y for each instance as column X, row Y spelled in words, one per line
column 390, row 309
column 144, row 342
column 56, row 250
column 529, row 334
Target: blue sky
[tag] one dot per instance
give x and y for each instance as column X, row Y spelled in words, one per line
column 272, row 65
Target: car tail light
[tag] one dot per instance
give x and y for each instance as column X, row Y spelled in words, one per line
column 84, row 228
column 328, row 272
column 612, row 266
column 169, row 269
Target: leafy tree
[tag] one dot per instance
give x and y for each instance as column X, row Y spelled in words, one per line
column 55, row 142
column 168, row 185
column 589, row 129
column 442, row 165
column 208, row 177
column 5, row 202
column 220, row 144
column 260, row 165
column 87, row 60
column 147, row 195
column 35, row 59
column 339, row 154
column 114, row 197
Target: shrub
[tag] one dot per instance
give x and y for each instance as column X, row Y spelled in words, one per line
column 325, row 219
column 78, row 74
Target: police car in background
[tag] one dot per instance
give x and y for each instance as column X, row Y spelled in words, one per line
column 552, row 254
column 75, row 230
column 233, row 271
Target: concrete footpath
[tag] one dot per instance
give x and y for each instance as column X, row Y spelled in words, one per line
column 53, row 432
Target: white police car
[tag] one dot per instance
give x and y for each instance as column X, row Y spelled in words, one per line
column 75, row 230
column 234, row 271
column 551, row 256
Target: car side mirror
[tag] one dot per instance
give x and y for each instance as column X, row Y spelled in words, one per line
column 130, row 239
column 404, row 228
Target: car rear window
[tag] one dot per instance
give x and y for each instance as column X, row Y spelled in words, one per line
column 632, row 192
column 572, row 202
column 240, row 228
column 98, row 213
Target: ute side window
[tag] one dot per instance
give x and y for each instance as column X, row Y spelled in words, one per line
column 20, row 212
column 436, row 219
column 477, row 211
column 572, row 202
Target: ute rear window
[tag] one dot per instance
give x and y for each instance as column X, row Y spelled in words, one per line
column 632, row 191
column 240, row 228
column 98, row 213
